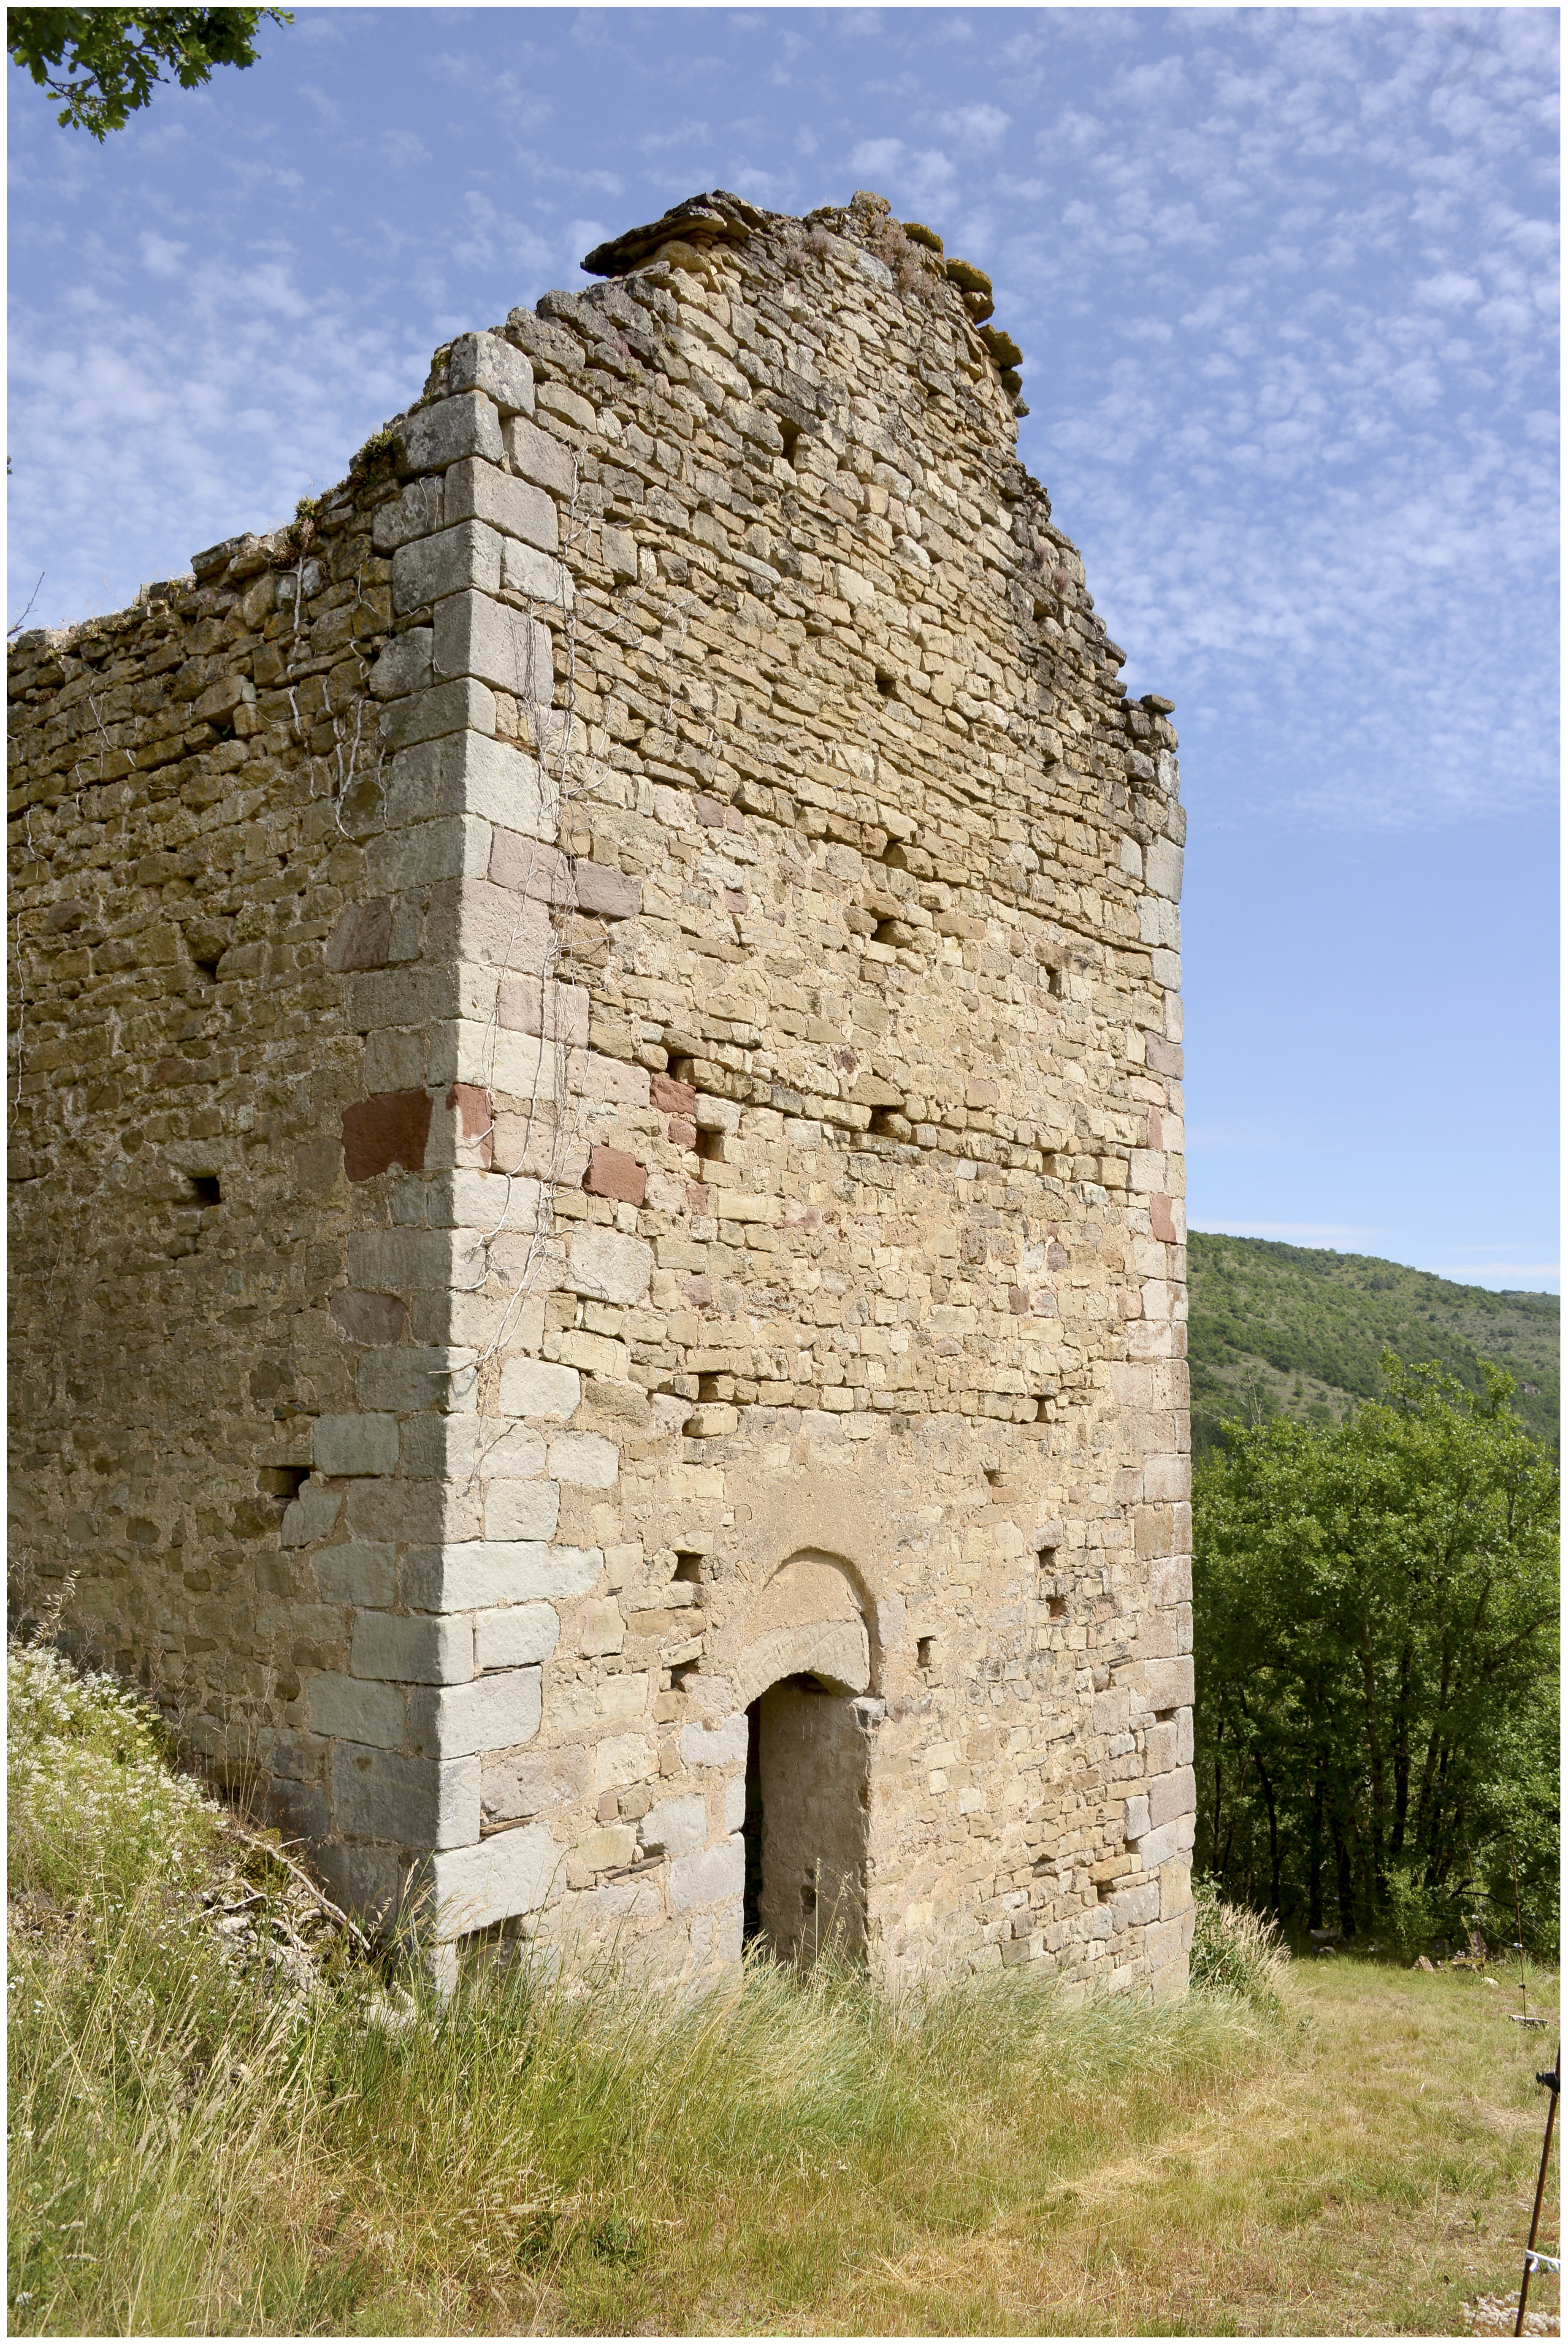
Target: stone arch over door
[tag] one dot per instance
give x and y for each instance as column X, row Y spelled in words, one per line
column 809, row 1621
column 801, row 1670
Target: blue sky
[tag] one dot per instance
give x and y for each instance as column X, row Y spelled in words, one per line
column 1286, row 285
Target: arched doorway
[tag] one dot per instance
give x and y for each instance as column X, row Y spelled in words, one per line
column 799, row 1663
column 808, row 1798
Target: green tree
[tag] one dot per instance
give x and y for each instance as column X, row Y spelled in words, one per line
column 1375, row 1614
column 114, row 58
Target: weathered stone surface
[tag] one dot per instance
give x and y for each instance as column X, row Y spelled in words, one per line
column 611, row 1172
column 392, row 1128
column 364, row 1444
column 411, row 1648
column 440, row 436
column 476, row 492
column 539, row 458
column 359, row 1711
column 387, row 1795
column 539, row 1388
column 1171, row 1795
column 521, row 1511
column 609, row 1266
column 494, row 1712
column 721, row 1746
column 311, row 1515
column 477, row 636
column 526, row 1784
column 702, row 1880
column 455, row 561
column 463, row 1579
column 621, row 1759
column 619, row 1014
column 676, row 1827
column 490, row 363
column 1169, row 1684
column 360, row 1571
column 586, row 1459
column 367, row 1318
column 516, row 1634
column 404, row 665
column 509, row 1873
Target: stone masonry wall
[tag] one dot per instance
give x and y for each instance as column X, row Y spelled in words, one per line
column 596, row 1125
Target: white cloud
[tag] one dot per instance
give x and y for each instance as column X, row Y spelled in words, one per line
column 162, row 254
column 682, row 134
column 1449, row 289
column 984, row 127
column 1284, row 284
column 328, row 108
column 877, row 154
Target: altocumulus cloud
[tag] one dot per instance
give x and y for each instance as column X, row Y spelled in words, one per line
column 1330, row 446
column 1285, row 282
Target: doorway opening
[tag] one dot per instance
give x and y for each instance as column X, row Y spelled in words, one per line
column 808, row 1801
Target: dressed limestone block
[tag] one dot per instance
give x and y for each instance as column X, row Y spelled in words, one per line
column 513, row 1635
column 493, row 1712
column 387, row 1795
column 456, row 560
column 510, row 1872
column 491, row 364
column 477, row 636
column 451, row 429
column 475, row 1575
column 464, row 773
column 518, row 508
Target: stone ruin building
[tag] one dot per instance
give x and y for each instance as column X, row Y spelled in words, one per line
column 597, row 1280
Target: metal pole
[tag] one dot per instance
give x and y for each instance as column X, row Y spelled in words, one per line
column 1519, row 1925
column 1554, row 2083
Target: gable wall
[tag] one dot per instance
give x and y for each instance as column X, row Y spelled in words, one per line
column 746, row 729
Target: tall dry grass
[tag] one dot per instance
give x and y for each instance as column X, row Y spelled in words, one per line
column 198, row 2148
column 1236, row 1952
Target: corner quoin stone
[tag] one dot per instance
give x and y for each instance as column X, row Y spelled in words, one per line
column 616, row 989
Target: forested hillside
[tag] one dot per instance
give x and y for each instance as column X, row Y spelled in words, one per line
column 1297, row 1331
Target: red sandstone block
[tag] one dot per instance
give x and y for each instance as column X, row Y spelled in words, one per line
column 476, row 1120
column 612, row 1174
column 363, row 935
column 683, row 1131
column 389, row 1128
column 1161, row 1219
column 522, row 1009
column 671, row 1098
column 609, row 893
column 521, row 863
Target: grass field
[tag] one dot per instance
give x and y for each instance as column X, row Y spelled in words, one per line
column 200, row 2146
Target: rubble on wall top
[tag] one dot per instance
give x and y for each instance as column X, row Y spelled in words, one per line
column 718, row 217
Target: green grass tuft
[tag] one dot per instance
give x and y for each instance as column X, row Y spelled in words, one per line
column 1237, row 1952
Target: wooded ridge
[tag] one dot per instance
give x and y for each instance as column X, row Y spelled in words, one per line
column 1297, row 1331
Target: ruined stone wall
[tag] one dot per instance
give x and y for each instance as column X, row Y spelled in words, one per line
column 690, row 1073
